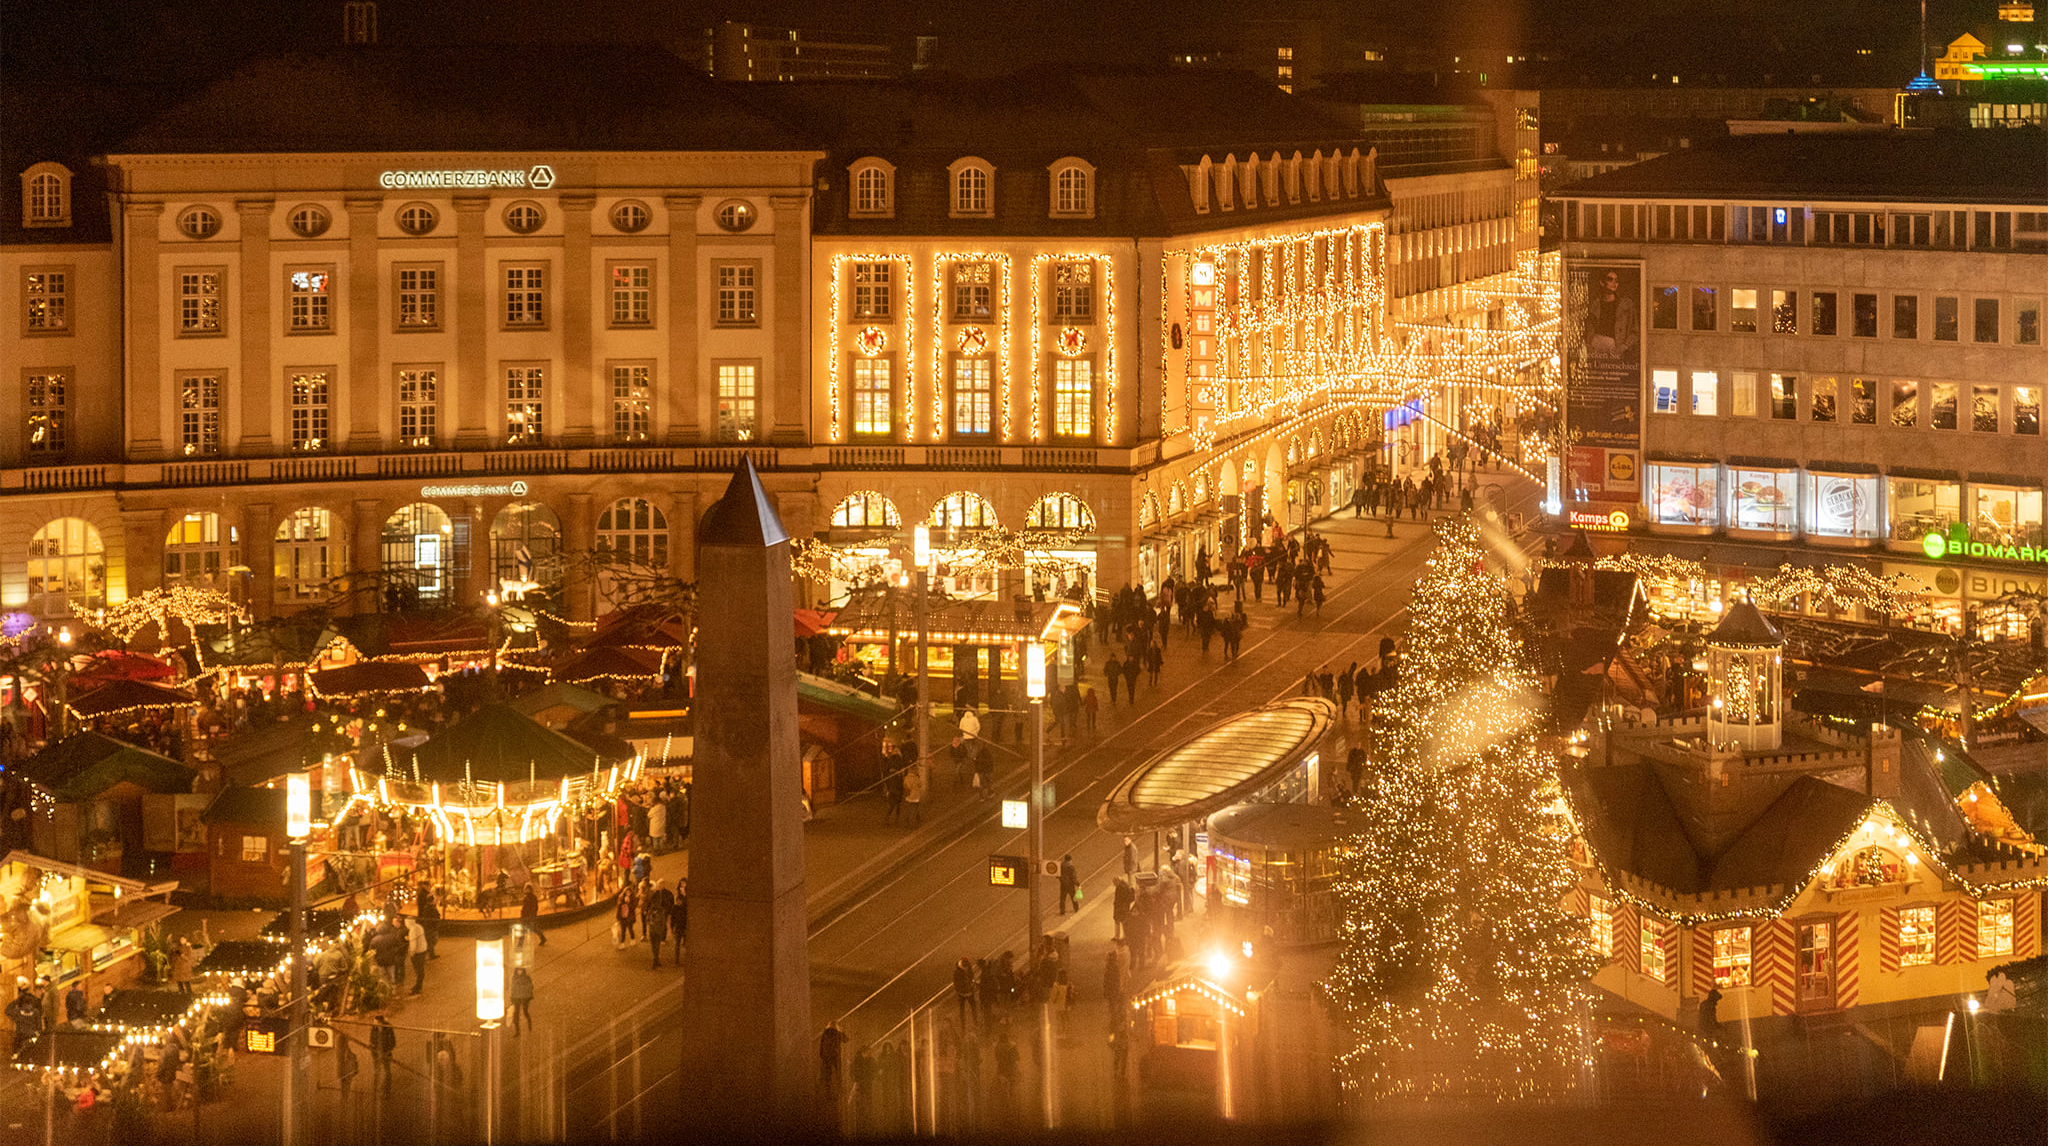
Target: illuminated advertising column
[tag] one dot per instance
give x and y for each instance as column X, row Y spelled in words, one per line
column 1603, row 334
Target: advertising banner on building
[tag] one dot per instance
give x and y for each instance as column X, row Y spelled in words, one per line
column 1603, row 337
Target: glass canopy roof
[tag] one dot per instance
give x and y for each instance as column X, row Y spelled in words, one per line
column 1224, row 764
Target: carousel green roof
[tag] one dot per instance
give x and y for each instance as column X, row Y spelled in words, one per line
column 500, row 744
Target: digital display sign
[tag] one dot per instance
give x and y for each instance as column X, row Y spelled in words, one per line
column 1008, row 871
column 265, row 1035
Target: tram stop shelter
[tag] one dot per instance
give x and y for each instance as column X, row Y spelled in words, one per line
column 1266, row 755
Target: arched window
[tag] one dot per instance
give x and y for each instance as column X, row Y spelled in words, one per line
column 874, row 192
column 1201, row 487
column 972, row 183
column 1073, row 188
column 46, row 196
column 1148, row 511
column 198, row 552
column 526, row 545
column 962, row 510
column 306, row 554
column 1177, row 499
column 866, row 510
column 67, row 568
column 634, row 529
column 418, row 557
column 1061, row 511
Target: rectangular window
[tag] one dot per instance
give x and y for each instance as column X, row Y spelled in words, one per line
column 199, row 300
column 739, row 292
column 871, row 291
column 632, row 402
column 2026, row 410
column 1742, row 386
column 1994, row 927
column 1823, row 407
column 1073, row 292
column 973, row 396
column 307, row 308
column 1664, row 308
column 1706, row 392
column 1823, row 313
column 971, row 287
column 1651, row 946
column 1784, row 312
column 1864, row 316
column 46, row 301
column 1984, row 409
column 2026, row 322
column 1731, row 957
column 1742, row 318
column 1863, row 401
column 309, row 411
column 526, row 297
column 1073, row 397
column 1601, row 918
column 1905, row 316
column 1706, row 303
column 1905, row 404
column 47, row 426
column 1986, row 326
column 632, row 287
column 739, row 400
column 419, row 298
column 525, row 404
column 255, row 849
column 1946, row 318
column 1785, row 397
column 1664, row 391
column 419, row 406
column 1942, row 413
column 1916, row 936
column 873, row 397
column 199, row 414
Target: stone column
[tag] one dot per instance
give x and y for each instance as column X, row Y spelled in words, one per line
column 475, row 382
column 746, row 1018
column 366, row 557
column 783, row 390
column 145, row 383
column 682, row 534
column 259, row 542
column 679, row 391
column 253, row 334
column 577, row 303
column 143, row 533
column 365, row 387
column 579, row 537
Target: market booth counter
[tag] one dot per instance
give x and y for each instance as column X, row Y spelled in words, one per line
column 73, row 923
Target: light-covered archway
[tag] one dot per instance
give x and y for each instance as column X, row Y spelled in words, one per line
column 419, row 558
column 200, row 551
column 307, row 552
column 526, row 547
column 67, row 568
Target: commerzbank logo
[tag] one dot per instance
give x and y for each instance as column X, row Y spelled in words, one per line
column 1956, row 542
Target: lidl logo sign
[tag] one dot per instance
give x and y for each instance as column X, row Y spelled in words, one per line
column 1956, row 542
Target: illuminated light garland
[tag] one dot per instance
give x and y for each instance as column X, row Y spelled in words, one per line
column 1003, row 323
column 1039, row 289
column 834, row 431
column 1202, row 987
column 160, row 607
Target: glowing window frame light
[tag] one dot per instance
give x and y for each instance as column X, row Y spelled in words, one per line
column 940, row 261
column 1039, row 288
column 834, row 307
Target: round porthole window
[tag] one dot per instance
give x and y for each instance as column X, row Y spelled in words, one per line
column 199, row 222
column 631, row 215
column 524, row 218
column 417, row 218
column 736, row 214
column 309, row 220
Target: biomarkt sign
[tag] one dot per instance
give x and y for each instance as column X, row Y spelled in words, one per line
column 1957, row 543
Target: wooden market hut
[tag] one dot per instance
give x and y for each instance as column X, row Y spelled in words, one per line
column 93, row 787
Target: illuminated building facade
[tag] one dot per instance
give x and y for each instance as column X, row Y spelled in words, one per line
column 1792, row 344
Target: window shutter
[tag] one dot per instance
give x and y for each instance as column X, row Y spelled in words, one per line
column 2026, row 925
column 1700, row 943
column 1667, row 942
column 1966, row 938
column 1773, row 962
column 1888, row 939
column 1948, row 932
column 1848, row 960
column 1628, row 937
column 1580, row 903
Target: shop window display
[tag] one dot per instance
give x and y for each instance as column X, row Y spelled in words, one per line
column 1763, row 499
column 2005, row 515
column 1923, row 507
column 1842, row 505
column 1685, row 494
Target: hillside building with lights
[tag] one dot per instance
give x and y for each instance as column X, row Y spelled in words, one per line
column 1818, row 348
column 425, row 351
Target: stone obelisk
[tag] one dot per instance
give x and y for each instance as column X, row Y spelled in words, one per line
column 748, row 1063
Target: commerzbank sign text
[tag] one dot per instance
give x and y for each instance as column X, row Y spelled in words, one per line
column 539, row 177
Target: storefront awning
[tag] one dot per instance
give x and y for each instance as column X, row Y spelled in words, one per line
column 127, row 886
column 1227, row 763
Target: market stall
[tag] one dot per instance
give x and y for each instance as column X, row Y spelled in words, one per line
column 70, row 922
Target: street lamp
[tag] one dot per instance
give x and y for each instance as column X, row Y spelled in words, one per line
column 921, row 556
column 298, row 825
column 1034, row 688
column 490, row 1009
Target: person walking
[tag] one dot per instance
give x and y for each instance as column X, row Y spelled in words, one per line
column 521, row 997
column 1113, row 669
column 183, row 962
column 1131, row 670
column 831, row 1048
column 383, row 1045
column 1091, row 706
column 1122, row 898
column 913, row 793
column 963, row 989
column 416, row 947
column 892, row 787
column 1155, row 660
column 1344, row 690
column 1070, row 885
column 529, row 915
column 679, row 920
column 655, row 912
column 625, row 911
column 429, row 913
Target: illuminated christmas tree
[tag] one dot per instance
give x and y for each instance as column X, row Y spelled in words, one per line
column 1461, row 976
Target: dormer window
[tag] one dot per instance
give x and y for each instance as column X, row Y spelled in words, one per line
column 874, row 189
column 199, row 223
column 46, row 196
column 1073, row 189
column 973, row 183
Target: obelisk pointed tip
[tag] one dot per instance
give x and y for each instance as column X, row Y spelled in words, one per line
column 744, row 516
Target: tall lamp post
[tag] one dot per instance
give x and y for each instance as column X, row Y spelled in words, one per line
column 490, row 1009
column 921, row 556
column 298, row 824
column 58, row 715
column 1034, row 688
